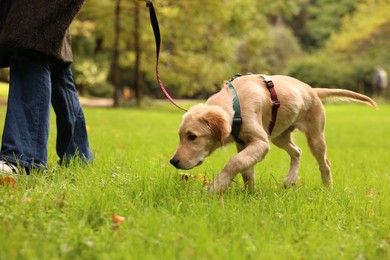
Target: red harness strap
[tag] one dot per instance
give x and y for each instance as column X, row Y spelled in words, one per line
column 275, row 102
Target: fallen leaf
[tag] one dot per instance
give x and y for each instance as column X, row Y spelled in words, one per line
column 117, row 219
column 184, row 176
column 187, row 176
column 8, row 181
column 203, row 179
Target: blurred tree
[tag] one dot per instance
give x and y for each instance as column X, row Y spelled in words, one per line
column 203, row 42
column 285, row 10
column 318, row 19
column 90, row 69
column 326, row 17
column 369, row 26
column 349, row 58
column 115, row 59
column 92, row 60
column 207, row 42
column 285, row 48
column 137, row 50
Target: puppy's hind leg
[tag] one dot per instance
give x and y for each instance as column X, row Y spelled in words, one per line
column 316, row 140
column 318, row 148
column 285, row 142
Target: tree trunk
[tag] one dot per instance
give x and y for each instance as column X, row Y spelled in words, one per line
column 137, row 66
column 115, row 59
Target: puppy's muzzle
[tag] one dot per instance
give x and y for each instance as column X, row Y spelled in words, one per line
column 175, row 162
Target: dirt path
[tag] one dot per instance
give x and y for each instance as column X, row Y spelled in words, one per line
column 85, row 102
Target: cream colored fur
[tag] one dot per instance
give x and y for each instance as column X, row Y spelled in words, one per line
column 205, row 127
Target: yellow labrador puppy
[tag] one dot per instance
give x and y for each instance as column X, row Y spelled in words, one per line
column 205, row 127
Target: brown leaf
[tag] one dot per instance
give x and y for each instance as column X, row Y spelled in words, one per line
column 184, row 176
column 187, row 176
column 117, row 219
column 8, row 181
column 203, row 179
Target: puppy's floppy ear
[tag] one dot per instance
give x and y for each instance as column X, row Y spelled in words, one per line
column 218, row 124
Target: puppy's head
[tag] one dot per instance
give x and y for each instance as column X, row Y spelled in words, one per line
column 204, row 128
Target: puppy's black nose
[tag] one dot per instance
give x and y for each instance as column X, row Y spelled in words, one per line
column 175, row 162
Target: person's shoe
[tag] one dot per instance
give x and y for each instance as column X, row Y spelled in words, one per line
column 7, row 168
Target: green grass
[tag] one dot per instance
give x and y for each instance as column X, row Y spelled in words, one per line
column 67, row 213
column 3, row 90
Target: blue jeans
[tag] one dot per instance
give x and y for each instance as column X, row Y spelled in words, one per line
column 35, row 80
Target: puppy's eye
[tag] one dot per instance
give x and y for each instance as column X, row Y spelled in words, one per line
column 192, row 137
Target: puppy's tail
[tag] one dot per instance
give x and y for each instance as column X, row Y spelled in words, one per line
column 343, row 94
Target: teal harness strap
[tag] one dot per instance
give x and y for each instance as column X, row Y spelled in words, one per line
column 237, row 120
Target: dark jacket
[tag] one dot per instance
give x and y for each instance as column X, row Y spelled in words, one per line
column 40, row 25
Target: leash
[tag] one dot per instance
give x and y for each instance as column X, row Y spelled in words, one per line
column 156, row 31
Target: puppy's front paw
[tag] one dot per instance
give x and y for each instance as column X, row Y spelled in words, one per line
column 290, row 181
column 213, row 187
column 218, row 186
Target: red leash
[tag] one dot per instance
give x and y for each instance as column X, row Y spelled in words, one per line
column 156, row 30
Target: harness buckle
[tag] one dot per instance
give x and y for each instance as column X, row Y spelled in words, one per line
column 269, row 84
column 237, row 120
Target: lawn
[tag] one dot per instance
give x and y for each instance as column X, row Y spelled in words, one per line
column 68, row 212
column 3, row 90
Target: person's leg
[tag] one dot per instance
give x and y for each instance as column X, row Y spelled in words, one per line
column 72, row 138
column 26, row 127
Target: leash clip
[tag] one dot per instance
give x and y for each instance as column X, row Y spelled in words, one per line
column 148, row 2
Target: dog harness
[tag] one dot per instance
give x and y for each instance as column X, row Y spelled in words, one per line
column 237, row 119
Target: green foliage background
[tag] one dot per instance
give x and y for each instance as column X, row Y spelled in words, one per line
column 327, row 43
